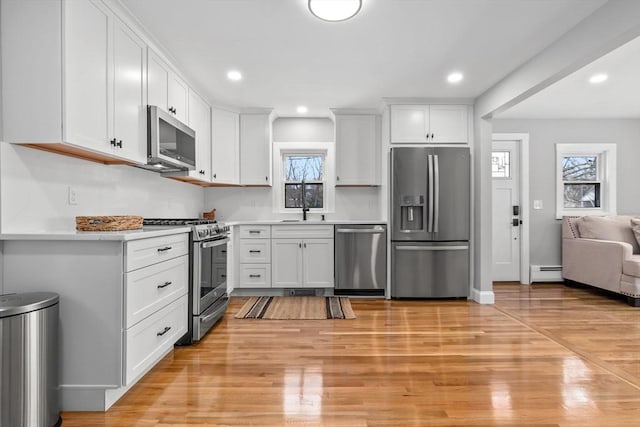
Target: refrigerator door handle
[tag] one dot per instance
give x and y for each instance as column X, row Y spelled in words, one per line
column 430, row 190
column 436, row 195
column 432, row 248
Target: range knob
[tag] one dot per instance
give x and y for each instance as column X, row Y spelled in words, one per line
column 202, row 234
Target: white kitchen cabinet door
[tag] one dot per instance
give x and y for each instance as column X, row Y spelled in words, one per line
column 286, row 263
column 317, row 261
column 409, row 123
column 200, row 121
column 177, row 92
column 449, row 123
column 225, row 129
column 87, row 74
column 129, row 95
column 445, row 124
column 255, row 149
column 166, row 89
column 157, row 81
column 356, row 150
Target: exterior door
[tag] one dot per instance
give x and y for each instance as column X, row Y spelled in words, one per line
column 505, row 169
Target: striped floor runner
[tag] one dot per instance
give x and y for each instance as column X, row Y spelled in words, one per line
column 298, row 308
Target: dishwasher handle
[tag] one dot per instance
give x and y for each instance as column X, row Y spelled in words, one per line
column 376, row 230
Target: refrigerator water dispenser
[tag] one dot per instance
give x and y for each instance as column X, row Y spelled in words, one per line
column 411, row 213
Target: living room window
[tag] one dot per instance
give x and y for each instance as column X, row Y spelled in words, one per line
column 585, row 179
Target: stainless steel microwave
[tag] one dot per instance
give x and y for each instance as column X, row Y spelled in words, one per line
column 171, row 145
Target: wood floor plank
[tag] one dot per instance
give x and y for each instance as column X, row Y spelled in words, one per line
column 542, row 356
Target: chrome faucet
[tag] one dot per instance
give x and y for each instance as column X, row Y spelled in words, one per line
column 305, row 209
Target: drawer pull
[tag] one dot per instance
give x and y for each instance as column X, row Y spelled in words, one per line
column 255, row 276
column 254, row 231
column 253, row 251
column 165, row 285
column 224, row 276
column 223, row 251
column 164, row 331
column 166, row 248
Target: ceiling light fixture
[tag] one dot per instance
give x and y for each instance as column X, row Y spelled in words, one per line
column 302, row 109
column 334, row 10
column 455, row 77
column 598, row 78
column 234, row 75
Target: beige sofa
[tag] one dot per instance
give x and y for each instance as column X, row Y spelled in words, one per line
column 603, row 252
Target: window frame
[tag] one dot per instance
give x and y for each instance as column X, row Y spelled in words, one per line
column 606, row 158
column 326, row 149
column 322, row 181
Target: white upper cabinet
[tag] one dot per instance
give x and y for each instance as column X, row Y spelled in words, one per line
column 129, row 94
column 357, row 148
column 225, row 131
column 166, row 89
column 429, row 124
column 200, row 121
column 255, row 149
column 84, row 75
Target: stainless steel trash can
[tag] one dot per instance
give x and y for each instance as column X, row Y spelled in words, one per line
column 29, row 360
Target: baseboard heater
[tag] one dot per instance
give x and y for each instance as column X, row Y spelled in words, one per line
column 546, row 273
column 304, row 292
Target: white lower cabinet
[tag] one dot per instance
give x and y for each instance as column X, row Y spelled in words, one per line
column 123, row 304
column 306, row 263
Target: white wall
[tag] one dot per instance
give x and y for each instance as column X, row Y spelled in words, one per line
column 545, row 231
column 293, row 129
column 34, row 188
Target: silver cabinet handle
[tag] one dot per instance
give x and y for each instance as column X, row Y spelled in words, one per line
column 377, row 230
column 255, row 276
column 432, row 248
column 164, row 285
column 253, row 251
column 166, row 248
column 436, row 191
column 254, row 231
column 164, row 331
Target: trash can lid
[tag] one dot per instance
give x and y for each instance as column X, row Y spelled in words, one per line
column 13, row 304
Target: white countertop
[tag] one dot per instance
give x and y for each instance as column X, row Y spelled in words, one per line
column 142, row 233
column 308, row 222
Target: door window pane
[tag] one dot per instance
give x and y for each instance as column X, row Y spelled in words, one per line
column 501, row 164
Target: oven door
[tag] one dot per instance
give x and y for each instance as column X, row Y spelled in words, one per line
column 209, row 273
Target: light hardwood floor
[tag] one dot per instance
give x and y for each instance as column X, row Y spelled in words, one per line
column 543, row 355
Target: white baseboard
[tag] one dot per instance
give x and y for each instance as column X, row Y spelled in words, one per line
column 546, row 273
column 483, row 297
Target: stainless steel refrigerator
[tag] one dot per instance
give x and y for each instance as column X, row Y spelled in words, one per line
column 430, row 207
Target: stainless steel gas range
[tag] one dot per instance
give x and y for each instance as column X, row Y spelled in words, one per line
column 208, row 297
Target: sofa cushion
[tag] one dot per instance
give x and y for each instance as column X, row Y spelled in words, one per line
column 617, row 228
column 631, row 266
column 635, row 226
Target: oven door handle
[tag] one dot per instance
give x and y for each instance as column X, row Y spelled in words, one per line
column 214, row 243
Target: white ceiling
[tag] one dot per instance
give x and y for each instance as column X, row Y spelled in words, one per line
column 393, row 48
column 574, row 97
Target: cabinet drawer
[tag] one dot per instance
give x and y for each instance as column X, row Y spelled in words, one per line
column 151, row 288
column 302, row 231
column 148, row 341
column 255, row 276
column 255, row 231
column 255, row 250
column 144, row 252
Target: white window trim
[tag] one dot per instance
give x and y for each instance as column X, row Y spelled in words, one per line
column 325, row 148
column 607, row 154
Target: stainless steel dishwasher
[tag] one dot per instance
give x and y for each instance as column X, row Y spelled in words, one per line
column 360, row 259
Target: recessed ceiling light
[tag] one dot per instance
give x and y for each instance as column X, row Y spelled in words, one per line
column 334, row 10
column 234, row 75
column 455, row 77
column 598, row 78
column 302, row 109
